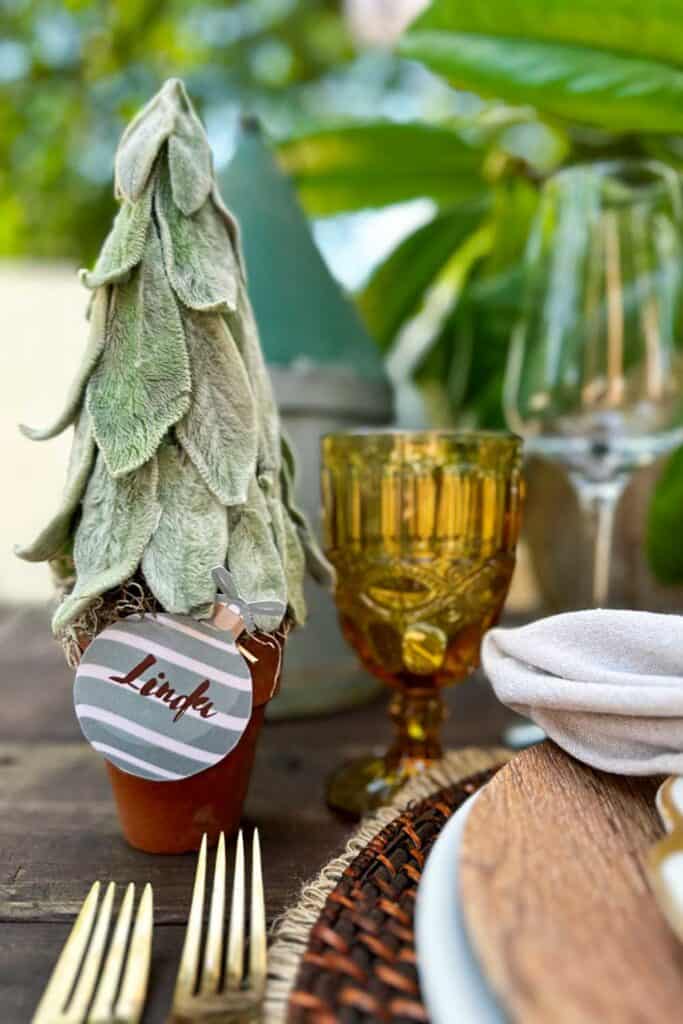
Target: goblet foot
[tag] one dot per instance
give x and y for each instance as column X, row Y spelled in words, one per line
column 367, row 783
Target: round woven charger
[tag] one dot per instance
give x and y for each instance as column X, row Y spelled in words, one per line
column 359, row 964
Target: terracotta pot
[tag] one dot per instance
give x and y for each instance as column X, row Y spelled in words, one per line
column 172, row 817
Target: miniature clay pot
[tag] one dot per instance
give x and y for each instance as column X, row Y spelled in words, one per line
column 172, row 817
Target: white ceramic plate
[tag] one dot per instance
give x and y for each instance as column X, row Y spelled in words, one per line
column 453, row 986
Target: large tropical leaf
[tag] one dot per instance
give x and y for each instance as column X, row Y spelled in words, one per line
column 653, row 29
column 375, row 164
column 398, row 285
column 590, row 85
column 421, row 331
column 190, row 539
column 664, row 548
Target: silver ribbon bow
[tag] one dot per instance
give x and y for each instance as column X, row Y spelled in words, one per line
column 247, row 609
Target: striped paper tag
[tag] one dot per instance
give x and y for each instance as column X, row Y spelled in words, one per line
column 163, row 696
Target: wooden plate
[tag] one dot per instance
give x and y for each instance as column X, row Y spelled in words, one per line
column 555, row 897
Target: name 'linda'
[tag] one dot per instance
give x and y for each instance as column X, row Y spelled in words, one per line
column 159, row 688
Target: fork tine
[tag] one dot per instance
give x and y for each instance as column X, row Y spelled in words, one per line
column 257, row 930
column 101, row 1009
column 234, row 961
column 213, row 952
column 131, row 1001
column 64, row 972
column 187, row 972
column 78, row 1004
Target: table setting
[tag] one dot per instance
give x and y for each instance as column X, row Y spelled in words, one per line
column 169, row 858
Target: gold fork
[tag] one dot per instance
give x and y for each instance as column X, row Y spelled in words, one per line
column 81, row 958
column 220, row 988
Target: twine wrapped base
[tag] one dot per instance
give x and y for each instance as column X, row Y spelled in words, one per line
column 131, row 598
column 345, row 952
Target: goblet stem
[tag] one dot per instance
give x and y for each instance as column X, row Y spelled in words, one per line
column 369, row 782
column 598, row 501
column 417, row 716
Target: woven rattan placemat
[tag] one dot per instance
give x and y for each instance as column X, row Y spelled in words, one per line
column 346, row 951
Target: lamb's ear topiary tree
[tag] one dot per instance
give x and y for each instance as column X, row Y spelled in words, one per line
column 178, row 463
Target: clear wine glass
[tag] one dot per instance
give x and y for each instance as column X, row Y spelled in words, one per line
column 595, row 376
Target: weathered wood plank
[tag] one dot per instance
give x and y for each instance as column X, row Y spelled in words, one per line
column 28, row 953
column 58, row 827
column 59, row 831
column 556, row 899
column 37, row 703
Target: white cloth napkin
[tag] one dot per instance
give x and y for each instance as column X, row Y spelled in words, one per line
column 607, row 686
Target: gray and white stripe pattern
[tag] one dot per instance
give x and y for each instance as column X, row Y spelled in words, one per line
column 137, row 732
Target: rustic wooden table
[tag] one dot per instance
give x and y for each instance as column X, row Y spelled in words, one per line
column 58, row 826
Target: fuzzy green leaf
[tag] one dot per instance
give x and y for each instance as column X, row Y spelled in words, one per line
column 253, row 558
column 242, row 327
column 198, row 253
column 292, row 557
column 609, row 90
column 316, row 563
column 93, row 351
column 295, row 571
column 142, row 140
column 190, row 539
column 125, row 243
column 219, row 432
column 141, row 385
column 56, row 533
column 189, row 159
column 664, row 546
column 119, row 517
column 169, row 116
column 233, row 229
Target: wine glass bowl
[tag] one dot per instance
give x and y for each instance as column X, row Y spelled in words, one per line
column 595, row 370
column 595, row 366
column 421, row 528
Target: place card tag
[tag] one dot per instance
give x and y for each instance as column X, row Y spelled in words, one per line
column 163, row 696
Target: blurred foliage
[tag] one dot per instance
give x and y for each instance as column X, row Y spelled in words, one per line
column 664, row 548
column 557, row 83
column 513, row 91
column 381, row 162
column 72, row 73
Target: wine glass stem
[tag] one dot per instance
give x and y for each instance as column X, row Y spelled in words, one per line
column 598, row 501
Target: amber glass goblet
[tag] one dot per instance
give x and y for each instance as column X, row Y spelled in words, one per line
column 421, row 528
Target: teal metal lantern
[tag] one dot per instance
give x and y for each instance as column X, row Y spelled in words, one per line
column 327, row 374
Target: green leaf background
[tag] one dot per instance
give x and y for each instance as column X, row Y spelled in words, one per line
column 379, row 162
column 558, row 83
